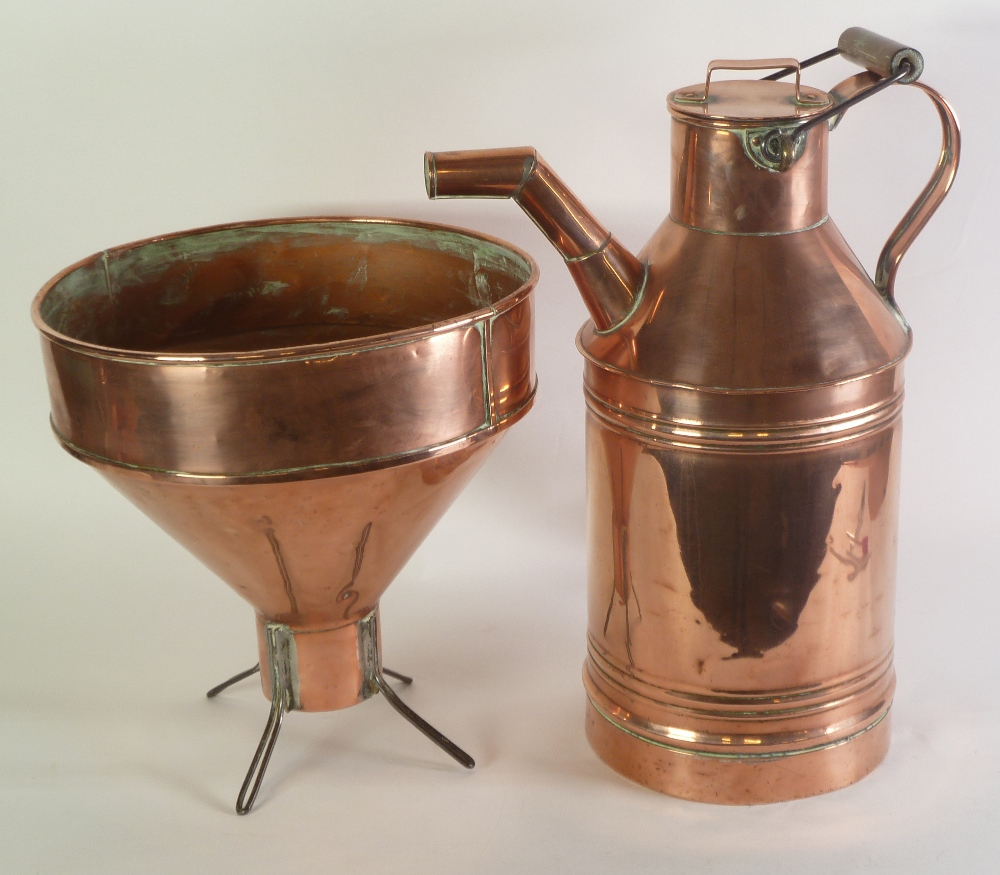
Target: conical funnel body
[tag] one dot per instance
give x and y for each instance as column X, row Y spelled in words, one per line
column 314, row 555
column 308, row 553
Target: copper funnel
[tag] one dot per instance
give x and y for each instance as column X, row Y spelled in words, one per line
column 297, row 402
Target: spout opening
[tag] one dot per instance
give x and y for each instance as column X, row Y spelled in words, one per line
column 430, row 175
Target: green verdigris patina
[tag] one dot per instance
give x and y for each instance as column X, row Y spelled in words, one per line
column 320, row 280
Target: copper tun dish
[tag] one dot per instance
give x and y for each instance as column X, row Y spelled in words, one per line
column 297, row 402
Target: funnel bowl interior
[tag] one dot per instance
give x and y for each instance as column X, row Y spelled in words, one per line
column 277, row 285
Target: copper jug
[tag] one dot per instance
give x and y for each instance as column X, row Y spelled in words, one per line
column 744, row 383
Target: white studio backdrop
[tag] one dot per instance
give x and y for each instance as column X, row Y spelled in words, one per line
column 124, row 120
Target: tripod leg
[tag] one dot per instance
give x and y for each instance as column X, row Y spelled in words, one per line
column 255, row 774
column 235, row 679
column 284, row 697
column 397, row 676
column 446, row 744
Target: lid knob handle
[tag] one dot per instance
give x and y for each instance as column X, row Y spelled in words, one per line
column 790, row 64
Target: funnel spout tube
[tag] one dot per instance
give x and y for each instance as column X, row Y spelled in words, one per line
column 609, row 277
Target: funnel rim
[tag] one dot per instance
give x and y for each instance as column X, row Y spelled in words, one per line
column 289, row 353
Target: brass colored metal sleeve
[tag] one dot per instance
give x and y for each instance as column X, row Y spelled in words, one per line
column 881, row 55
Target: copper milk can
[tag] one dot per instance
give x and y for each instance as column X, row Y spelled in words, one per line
column 744, row 384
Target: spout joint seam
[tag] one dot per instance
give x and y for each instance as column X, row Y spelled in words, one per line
column 636, row 303
column 784, row 233
column 529, row 171
column 573, row 259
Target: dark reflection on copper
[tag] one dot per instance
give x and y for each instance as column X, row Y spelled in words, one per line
column 752, row 536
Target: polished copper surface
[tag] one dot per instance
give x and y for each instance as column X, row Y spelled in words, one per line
column 741, row 591
column 296, row 401
column 725, row 102
column 737, row 780
column 706, row 194
column 745, row 313
column 608, row 275
column 743, row 452
column 312, row 554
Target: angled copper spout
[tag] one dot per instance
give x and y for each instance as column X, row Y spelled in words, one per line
column 609, row 277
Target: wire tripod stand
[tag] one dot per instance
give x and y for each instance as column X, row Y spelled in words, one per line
column 283, row 700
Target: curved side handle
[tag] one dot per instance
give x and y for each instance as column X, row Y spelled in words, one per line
column 929, row 200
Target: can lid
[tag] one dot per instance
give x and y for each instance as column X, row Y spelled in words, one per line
column 749, row 100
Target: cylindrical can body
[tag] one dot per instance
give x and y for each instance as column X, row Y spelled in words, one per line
column 741, row 589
